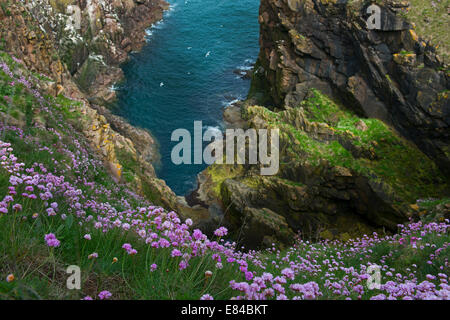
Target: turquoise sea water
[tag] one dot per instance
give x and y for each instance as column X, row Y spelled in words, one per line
column 185, row 74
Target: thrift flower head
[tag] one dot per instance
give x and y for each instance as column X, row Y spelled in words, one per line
column 93, row 255
column 206, row 297
column 288, row 273
column 129, row 249
column 182, row 265
column 51, row 240
column 176, row 253
column 104, row 295
column 222, row 231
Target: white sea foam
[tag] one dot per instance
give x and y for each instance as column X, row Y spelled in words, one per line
column 227, row 103
column 215, row 129
column 113, row 88
column 245, row 68
column 159, row 24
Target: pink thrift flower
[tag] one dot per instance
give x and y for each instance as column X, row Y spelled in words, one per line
column 182, row 265
column 104, row 295
column 176, row 253
column 51, row 240
column 222, row 231
column 288, row 273
column 93, row 255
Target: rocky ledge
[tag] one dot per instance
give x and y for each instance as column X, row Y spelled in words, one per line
column 364, row 126
column 340, row 176
column 364, row 121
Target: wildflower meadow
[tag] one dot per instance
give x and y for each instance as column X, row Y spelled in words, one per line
column 60, row 207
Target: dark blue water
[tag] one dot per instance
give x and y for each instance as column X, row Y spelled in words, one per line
column 185, row 74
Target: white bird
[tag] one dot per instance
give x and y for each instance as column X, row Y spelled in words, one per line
column 207, row 54
column 161, row 84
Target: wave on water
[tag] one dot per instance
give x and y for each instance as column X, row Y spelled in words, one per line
column 158, row 25
column 229, row 102
column 248, row 65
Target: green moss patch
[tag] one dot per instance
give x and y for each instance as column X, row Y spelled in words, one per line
column 384, row 155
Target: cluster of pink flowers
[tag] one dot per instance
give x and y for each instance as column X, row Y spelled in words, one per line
column 51, row 240
column 104, row 295
column 129, row 249
column 160, row 229
column 221, row 232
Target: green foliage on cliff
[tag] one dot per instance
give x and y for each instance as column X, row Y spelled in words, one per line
column 367, row 146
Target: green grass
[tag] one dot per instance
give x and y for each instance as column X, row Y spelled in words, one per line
column 43, row 270
column 40, row 271
column 402, row 258
column 432, row 23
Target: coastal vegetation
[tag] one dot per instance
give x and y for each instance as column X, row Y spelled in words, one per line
column 362, row 191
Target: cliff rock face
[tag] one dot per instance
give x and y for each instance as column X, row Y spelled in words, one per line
column 340, row 176
column 348, row 101
column 390, row 73
column 93, row 37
